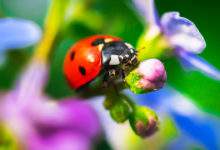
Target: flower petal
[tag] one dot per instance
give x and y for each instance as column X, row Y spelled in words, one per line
column 18, row 33
column 68, row 114
column 59, row 141
column 194, row 62
column 147, row 9
column 153, row 74
column 202, row 128
column 32, row 79
column 182, row 33
column 152, row 69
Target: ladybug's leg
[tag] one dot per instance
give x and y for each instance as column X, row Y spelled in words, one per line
column 112, row 73
column 108, row 76
column 123, row 74
column 105, row 80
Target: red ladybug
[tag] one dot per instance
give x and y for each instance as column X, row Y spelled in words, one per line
column 95, row 54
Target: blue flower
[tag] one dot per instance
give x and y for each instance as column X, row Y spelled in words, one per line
column 17, row 33
column 182, row 36
column 194, row 126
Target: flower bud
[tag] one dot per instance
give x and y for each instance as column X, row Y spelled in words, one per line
column 144, row 121
column 109, row 102
column 121, row 109
column 153, row 74
column 150, row 75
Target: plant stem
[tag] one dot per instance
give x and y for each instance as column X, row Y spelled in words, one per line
column 52, row 25
column 152, row 44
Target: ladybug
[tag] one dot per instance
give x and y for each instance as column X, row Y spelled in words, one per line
column 90, row 57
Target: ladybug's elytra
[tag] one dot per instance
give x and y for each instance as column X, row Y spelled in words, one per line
column 95, row 54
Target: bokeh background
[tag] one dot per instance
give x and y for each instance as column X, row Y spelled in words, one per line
column 119, row 18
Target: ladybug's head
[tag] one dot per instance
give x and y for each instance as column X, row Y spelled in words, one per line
column 120, row 54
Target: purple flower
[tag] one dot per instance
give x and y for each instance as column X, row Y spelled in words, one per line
column 41, row 123
column 182, row 36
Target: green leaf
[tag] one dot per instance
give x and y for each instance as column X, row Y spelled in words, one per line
column 9, row 71
column 57, row 85
column 204, row 92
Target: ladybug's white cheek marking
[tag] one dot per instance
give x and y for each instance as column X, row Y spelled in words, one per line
column 114, row 60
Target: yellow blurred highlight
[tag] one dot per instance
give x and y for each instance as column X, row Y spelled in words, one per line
column 8, row 141
column 152, row 44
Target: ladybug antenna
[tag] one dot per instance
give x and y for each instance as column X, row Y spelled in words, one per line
column 141, row 48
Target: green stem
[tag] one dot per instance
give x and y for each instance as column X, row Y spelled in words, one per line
column 52, row 26
column 152, row 44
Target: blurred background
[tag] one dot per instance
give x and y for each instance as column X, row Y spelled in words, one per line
column 188, row 106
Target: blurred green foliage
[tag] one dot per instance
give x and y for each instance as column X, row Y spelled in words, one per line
column 11, row 68
column 29, row 9
column 118, row 18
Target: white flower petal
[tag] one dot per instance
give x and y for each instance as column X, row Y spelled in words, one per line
column 182, row 33
column 194, row 62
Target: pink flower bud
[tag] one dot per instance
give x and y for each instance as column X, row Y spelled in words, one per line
column 144, row 121
column 153, row 74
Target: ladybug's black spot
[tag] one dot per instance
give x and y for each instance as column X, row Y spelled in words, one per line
column 82, row 70
column 72, row 55
column 98, row 41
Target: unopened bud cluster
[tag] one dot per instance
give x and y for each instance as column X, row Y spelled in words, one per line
column 150, row 75
column 143, row 120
